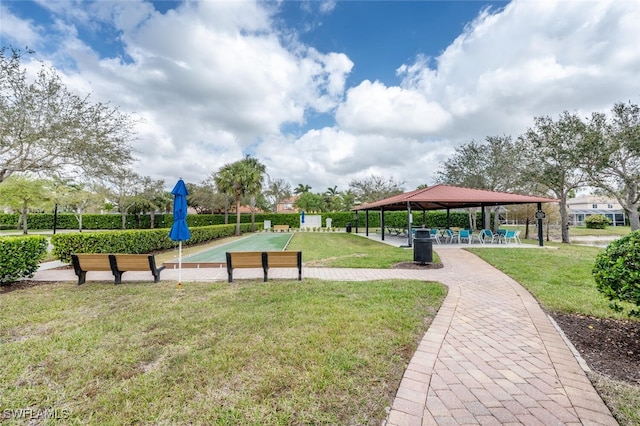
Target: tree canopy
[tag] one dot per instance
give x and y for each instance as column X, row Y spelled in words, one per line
column 239, row 179
column 45, row 128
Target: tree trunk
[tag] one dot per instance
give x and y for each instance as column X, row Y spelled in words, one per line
column 24, row 218
column 253, row 214
column 564, row 219
column 237, row 215
column 634, row 216
column 79, row 218
column 496, row 219
column 123, row 217
column 526, row 229
column 152, row 219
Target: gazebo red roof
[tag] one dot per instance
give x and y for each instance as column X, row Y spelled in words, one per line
column 440, row 197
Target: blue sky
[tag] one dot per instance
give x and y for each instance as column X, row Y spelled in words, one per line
column 325, row 92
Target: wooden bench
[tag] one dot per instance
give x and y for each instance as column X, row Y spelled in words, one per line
column 134, row 262
column 117, row 264
column 264, row 260
column 280, row 228
column 83, row 263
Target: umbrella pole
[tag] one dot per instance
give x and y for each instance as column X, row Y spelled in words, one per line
column 180, row 265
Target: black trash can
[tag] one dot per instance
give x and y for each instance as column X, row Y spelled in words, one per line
column 423, row 246
column 349, row 227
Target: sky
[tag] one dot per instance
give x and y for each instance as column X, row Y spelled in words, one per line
column 326, row 92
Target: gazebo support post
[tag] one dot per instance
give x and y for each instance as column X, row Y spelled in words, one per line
column 448, row 218
column 540, row 236
column 382, row 222
column 366, row 224
column 409, row 239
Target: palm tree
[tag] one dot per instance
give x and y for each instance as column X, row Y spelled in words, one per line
column 241, row 178
column 331, row 195
column 301, row 189
column 278, row 191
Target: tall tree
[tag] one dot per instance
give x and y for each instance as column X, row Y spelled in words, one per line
column 21, row 192
column 347, row 200
column 614, row 160
column 554, row 153
column 44, row 128
column 375, row 188
column 244, row 177
column 277, row 191
column 123, row 187
column 489, row 165
column 301, row 189
column 79, row 199
column 310, row 202
column 331, row 198
column 153, row 196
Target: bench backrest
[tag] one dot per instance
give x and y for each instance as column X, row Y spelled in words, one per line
column 282, row 259
column 245, row 259
column 94, row 262
column 133, row 262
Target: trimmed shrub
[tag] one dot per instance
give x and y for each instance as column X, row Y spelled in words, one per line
column 597, row 221
column 20, row 257
column 134, row 241
column 617, row 271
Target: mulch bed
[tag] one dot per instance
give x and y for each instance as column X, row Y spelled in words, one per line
column 610, row 347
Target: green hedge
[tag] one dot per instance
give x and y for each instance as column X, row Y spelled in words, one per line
column 134, row 241
column 20, row 257
column 436, row 219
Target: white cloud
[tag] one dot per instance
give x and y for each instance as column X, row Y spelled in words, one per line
column 214, row 80
column 392, row 111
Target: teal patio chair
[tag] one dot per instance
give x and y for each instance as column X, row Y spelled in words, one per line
column 464, row 234
column 435, row 234
column 486, row 235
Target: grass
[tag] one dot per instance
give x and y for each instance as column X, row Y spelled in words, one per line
column 254, row 353
column 579, row 231
column 342, row 250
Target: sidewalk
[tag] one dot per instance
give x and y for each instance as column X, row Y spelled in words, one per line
column 490, row 357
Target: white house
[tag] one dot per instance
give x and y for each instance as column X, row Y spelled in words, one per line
column 582, row 207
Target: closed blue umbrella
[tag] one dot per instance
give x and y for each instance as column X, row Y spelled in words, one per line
column 179, row 230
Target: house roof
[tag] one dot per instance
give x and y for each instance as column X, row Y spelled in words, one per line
column 440, row 197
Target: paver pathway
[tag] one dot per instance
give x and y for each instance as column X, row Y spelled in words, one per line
column 490, row 357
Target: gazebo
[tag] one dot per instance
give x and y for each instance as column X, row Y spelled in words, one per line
column 441, row 197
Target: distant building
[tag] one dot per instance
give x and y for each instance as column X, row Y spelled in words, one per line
column 287, row 206
column 582, row 207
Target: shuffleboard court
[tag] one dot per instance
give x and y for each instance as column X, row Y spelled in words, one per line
column 215, row 256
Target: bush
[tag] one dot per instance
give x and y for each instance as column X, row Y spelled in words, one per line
column 617, row 271
column 20, row 257
column 134, row 241
column 597, row 221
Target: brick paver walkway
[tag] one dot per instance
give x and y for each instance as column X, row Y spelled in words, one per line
column 490, row 357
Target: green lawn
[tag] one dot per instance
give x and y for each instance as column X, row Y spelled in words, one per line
column 340, row 250
column 275, row 353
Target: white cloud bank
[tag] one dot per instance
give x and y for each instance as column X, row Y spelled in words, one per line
column 215, row 80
